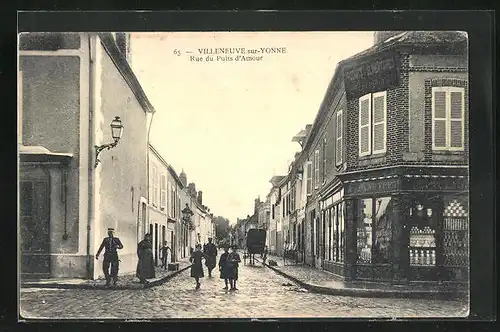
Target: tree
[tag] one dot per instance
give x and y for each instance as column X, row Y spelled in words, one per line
column 222, row 228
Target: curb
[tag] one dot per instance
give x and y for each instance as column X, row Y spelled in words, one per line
column 359, row 292
column 137, row 286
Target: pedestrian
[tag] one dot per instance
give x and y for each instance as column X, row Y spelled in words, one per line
column 264, row 255
column 111, row 260
column 164, row 255
column 223, row 266
column 145, row 265
column 211, row 256
column 197, row 266
column 233, row 260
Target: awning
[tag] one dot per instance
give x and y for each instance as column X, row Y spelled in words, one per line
column 41, row 154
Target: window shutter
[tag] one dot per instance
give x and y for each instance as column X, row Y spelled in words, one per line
column 439, row 119
column 162, row 194
column 338, row 145
column 364, row 125
column 456, row 119
column 309, row 178
column 379, row 122
column 316, row 168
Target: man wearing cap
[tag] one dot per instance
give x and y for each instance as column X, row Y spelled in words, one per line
column 210, row 252
column 110, row 244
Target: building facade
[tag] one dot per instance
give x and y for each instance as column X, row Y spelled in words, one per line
column 71, row 86
column 385, row 164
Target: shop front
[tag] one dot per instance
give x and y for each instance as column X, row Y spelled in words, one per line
column 407, row 225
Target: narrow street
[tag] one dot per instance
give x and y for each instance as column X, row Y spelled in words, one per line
column 262, row 294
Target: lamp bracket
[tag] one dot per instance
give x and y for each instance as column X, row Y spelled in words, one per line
column 99, row 148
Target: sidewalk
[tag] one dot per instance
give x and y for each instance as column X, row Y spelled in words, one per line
column 128, row 281
column 319, row 281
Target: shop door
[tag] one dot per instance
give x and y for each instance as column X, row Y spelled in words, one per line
column 35, row 229
column 173, row 247
column 156, row 244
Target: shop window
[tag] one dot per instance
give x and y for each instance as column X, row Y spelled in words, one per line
column 341, row 219
column 333, row 211
column 455, row 233
column 374, row 230
column 422, row 239
column 364, row 231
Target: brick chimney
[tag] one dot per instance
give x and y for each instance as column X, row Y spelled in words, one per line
column 183, row 178
column 192, row 189
column 256, row 205
column 200, row 197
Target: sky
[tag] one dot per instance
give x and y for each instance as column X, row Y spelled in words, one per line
column 228, row 124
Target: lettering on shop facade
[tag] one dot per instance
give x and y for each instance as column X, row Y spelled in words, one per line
column 365, row 187
column 435, row 184
column 377, row 75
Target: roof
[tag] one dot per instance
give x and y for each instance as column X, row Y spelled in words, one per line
column 125, row 70
column 37, row 153
column 275, row 180
column 167, row 165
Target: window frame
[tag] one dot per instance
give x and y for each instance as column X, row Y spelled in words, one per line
column 338, row 161
column 309, row 178
column 316, row 169
column 384, row 149
column 448, row 90
column 163, row 184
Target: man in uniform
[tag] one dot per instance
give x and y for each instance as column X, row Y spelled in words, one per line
column 110, row 244
column 210, row 252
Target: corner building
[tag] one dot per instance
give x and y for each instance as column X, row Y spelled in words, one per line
column 387, row 163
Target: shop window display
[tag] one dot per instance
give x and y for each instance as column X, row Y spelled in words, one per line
column 422, row 237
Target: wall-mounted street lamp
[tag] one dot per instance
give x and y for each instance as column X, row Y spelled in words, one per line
column 186, row 215
column 116, row 133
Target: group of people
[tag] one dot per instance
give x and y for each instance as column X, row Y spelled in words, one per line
column 145, row 265
column 228, row 264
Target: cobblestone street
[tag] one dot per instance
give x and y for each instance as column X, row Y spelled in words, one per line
column 262, row 294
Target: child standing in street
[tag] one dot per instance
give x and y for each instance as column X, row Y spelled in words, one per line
column 197, row 267
column 223, row 266
column 164, row 255
column 233, row 260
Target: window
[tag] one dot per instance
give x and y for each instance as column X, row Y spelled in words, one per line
column 374, row 230
column 272, row 211
column 316, row 169
column 338, row 143
column 323, row 172
column 154, row 181
column 163, row 199
column 372, row 123
column 20, row 105
column 309, row 178
column 448, row 118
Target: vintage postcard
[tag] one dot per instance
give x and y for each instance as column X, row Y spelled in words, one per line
column 174, row 175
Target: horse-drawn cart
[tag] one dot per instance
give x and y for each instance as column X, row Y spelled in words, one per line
column 256, row 242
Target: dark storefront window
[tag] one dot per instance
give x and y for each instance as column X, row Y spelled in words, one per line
column 341, row 220
column 422, row 229
column 374, row 230
column 335, row 224
column 455, row 232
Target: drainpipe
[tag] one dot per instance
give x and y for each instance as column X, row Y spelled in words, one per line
column 91, row 197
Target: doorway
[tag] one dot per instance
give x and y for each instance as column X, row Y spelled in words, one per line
column 156, row 244
column 35, row 228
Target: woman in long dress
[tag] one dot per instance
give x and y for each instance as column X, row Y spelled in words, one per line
column 233, row 260
column 145, row 266
column 197, row 266
column 223, row 266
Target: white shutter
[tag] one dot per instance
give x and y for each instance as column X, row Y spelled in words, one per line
column 162, row 191
column 456, row 137
column 379, row 122
column 364, row 125
column 316, row 169
column 338, row 143
column 439, row 119
column 309, row 178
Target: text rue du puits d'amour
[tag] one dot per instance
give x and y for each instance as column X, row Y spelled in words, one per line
column 235, row 54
